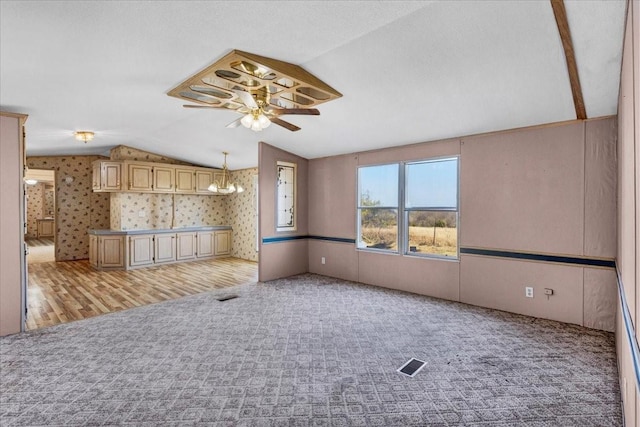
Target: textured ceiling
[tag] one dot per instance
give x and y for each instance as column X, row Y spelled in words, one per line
column 409, row 71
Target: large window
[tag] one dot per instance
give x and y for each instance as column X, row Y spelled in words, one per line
column 378, row 207
column 411, row 208
column 431, row 207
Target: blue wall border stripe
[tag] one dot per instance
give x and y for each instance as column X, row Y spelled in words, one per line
column 629, row 329
column 540, row 257
column 278, row 239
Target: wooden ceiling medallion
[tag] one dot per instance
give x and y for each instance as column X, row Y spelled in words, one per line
column 272, row 83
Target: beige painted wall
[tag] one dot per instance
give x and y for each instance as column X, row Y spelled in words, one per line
column 11, row 230
column 628, row 219
column 290, row 257
column 547, row 189
column 78, row 208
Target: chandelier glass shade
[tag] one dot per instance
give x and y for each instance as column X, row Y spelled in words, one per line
column 222, row 183
column 255, row 120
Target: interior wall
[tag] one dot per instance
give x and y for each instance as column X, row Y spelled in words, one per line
column 11, row 227
column 242, row 215
column 287, row 255
column 78, row 208
column 545, row 190
column 628, row 219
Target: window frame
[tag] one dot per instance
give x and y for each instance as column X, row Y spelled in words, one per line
column 397, row 208
column 402, row 247
column 294, row 226
column 406, row 211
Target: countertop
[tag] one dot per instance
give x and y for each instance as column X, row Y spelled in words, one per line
column 159, row 231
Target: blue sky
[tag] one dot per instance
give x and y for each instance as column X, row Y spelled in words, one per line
column 429, row 184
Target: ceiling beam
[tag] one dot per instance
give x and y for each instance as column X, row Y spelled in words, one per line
column 560, row 14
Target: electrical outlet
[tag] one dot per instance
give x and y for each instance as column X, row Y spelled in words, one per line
column 324, row 261
column 528, row 292
column 548, row 291
column 142, row 213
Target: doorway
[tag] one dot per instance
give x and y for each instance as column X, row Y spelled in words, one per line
column 40, row 201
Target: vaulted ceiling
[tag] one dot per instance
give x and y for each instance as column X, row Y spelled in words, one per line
column 409, row 71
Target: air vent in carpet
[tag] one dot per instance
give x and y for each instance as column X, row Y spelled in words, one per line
column 412, row 367
column 227, row 297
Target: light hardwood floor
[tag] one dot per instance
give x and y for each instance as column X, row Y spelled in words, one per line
column 60, row 292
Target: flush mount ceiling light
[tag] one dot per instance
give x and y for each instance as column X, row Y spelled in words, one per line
column 259, row 88
column 222, row 181
column 84, row 135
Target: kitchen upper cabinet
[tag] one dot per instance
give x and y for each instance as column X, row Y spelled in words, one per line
column 185, row 180
column 140, row 250
column 204, row 178
column 140, row 177
column 165, row 248
column 222, row 242
column 186, row 246
column 107, row 176
column 206, row 244
column 163, row 179
column 145, row 177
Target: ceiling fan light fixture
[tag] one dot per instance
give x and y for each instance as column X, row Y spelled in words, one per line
column 247, row 120
column 84, row 135
column 264, row 121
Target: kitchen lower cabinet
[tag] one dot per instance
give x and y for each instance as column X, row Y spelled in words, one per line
column 165, row 248
column 107, row 252
column 113, row 250
column 186, row 246
column 206, row 244
column 222, row 242
column 140, row 250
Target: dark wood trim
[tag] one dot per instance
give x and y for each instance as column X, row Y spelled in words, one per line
column 560, row 14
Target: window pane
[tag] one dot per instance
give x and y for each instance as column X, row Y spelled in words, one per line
column 432, row 184
column 378, row 185
column 433, row 233
column 378, row 229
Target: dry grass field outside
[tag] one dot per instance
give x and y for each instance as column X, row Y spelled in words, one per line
column 426, row 240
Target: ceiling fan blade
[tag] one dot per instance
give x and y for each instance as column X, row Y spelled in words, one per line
column 286, row 125
column 246, row 98
column 303, row 111
column 200, row 106
column 235, row 123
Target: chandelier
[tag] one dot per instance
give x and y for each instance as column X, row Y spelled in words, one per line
column 222, row 181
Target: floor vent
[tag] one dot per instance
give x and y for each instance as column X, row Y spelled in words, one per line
column 412, row 367
column 227, row 297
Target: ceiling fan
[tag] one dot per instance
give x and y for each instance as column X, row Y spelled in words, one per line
column 261, row 89
column 258, row 113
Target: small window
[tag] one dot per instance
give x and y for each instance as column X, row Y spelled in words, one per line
column 286, row 193
column 378, row 207
column 431, row 208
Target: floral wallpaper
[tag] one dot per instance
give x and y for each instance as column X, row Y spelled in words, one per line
column 49, row 196
column 78, row 208
column 242, row 213
column 35, row 207
column 141, row 211
column 122, row 152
